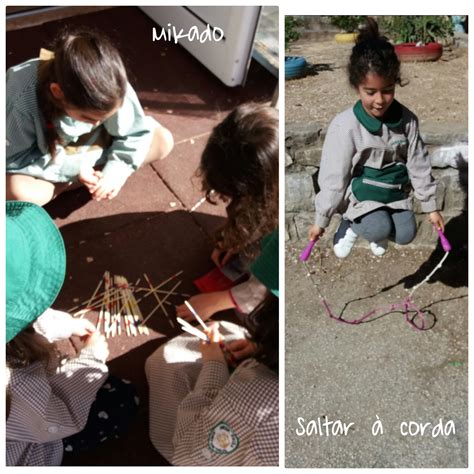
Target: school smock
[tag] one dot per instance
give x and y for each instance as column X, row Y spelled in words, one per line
column 202, row 415
column 355, row 139
column 46, row 407
column 129, row 130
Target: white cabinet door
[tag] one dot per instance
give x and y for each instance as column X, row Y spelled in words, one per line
column 229, row 58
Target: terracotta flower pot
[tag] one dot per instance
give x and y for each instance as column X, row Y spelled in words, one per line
column 426, row 52
column 345, row 37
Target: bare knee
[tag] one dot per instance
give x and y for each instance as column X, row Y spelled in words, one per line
column 29, row 189
column 168, row 142
column 161, row 145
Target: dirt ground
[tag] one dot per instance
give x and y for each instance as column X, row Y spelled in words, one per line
column 381, row 368
column 436, row 91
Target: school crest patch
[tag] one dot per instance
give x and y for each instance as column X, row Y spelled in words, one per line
column 222, row 439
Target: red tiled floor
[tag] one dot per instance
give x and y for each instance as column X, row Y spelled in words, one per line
column 131, row 200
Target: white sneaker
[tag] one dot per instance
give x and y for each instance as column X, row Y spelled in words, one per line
column 379, row 248
column 344, row 241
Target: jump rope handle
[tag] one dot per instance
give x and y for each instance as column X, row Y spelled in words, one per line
column 307, row 251
column 444, row 241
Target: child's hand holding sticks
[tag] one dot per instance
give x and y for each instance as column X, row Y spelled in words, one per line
column 212, row 349
column 210, row 337
column 99, row 345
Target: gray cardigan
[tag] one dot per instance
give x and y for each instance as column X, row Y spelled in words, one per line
column 349, row 145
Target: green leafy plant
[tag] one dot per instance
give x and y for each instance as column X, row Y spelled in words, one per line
column 422, row 29
column 291, row 33
column 347, row 23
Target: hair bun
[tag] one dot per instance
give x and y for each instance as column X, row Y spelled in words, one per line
column 370, row 31
column 372, row 53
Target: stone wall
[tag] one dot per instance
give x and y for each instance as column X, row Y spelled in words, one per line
column 303, row 143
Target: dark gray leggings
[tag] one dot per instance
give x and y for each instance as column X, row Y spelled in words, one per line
column 399, row 226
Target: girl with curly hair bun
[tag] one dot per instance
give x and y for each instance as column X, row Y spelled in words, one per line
column 373, row 157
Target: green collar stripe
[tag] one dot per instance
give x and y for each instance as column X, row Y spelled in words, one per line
column 392, row 118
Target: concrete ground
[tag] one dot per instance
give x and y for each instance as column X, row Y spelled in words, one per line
column 149, row 227
column 384, row 368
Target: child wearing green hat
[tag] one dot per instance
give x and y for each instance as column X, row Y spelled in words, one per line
column 48, row 400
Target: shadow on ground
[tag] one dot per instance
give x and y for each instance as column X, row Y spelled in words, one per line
column 159, row 244
column 315, row 69
column 454, row 272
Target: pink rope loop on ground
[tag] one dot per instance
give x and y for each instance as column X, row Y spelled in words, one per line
column 406, row 306
column 410, row 306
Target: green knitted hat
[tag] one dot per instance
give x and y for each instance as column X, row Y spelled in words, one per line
column 35, row 264
column 265, row 266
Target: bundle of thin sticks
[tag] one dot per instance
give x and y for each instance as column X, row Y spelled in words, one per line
column 118, row 307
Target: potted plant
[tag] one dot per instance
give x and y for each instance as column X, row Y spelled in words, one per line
column 295, row 66
column 349, row 24
column 418, row 37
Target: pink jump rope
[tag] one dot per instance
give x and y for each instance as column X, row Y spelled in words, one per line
column 406, row 306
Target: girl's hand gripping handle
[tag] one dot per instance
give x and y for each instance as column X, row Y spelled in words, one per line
column 444, row 241
column 307, row 251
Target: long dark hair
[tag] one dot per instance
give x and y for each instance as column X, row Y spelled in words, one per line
column 240, row 161
column 90, row 72
column 262, row 325
column 373, row 53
